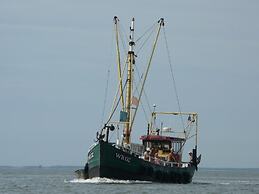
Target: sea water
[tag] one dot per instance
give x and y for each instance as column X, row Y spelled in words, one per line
column 60, row 180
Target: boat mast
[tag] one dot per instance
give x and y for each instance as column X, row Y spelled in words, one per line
column 116, row 20
column 130, row 62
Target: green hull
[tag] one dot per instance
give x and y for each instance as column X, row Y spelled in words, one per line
column 105, row 160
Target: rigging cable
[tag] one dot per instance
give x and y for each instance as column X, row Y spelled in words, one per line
column 107, row 82
column 142, row 106
column 175, row 89
column 105, row 95
column 140, row 79
column 161, row 23
column 172, row 74
column 149, row 29
column 152, row 30
column 123, row 34
column 114, row 109
column 123, row 72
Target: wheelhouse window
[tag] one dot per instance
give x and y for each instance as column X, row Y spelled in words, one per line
column 177, row 146
column 160, row 145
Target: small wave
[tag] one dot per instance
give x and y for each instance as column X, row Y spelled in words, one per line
column 98, row 180
column 224, row 183
column 201, row 183
column 211, row 183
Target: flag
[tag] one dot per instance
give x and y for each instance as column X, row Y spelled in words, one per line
column 134, row 101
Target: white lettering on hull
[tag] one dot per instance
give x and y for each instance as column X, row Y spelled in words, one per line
column 122, row 157
column 90, row 155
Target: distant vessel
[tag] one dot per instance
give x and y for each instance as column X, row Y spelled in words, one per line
column 160, row 156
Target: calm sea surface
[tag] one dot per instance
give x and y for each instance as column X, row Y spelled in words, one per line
column 61, row 180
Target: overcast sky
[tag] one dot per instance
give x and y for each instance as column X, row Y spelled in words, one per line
column 54, row 57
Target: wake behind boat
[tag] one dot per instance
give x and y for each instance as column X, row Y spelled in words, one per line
column 160, row 156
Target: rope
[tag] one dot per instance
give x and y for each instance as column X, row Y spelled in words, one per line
column 123, row 72
column 142, row 106
column 161, row 22
column 145, row 41
column 140, row 78
column 172, row 74
column 149, row 29
column 190, row 126
column 115, row 99
column 107, row 82
column 105, row 95
column 112, row 113
column 176, row 94
column 121, row 38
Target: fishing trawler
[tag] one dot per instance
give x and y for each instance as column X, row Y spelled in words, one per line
column 160, row 155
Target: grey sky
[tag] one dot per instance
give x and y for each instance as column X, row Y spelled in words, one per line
column 54, row 56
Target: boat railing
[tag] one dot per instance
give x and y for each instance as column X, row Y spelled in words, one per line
column 162, row 162
column 137, row 148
